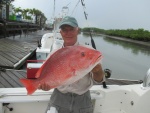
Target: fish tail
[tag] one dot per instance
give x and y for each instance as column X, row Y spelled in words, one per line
column 30, row 86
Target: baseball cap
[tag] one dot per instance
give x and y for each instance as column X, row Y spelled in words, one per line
column 68, row 20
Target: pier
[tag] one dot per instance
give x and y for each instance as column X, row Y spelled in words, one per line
column 13, row 53
column 14, row 28
column 15, row 49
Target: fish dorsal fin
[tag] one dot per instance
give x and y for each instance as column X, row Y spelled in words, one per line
column 37, row 75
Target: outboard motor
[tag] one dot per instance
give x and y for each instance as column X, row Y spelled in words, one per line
column 146, row 81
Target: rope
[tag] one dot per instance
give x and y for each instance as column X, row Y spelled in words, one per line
column 15, row 51
column 75, row 7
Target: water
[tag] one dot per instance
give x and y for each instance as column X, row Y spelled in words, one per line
column 125, row 59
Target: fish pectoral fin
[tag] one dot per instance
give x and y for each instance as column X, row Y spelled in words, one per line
column 73, row 71
column 72, row 66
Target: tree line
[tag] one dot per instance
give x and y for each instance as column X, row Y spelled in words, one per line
column 135, row 34
column 20, row 14
column 29, row 14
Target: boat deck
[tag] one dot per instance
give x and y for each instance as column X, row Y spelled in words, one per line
column 9, row 78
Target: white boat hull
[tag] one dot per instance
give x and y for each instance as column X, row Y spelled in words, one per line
column 115, row 99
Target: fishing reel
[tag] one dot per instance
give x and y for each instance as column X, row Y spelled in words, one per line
column 107, row 73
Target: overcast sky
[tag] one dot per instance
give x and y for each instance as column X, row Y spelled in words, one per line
column 104, row 14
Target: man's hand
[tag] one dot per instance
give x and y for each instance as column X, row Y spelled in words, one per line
column 98, row 73
column 96, row 68
column 44, row 87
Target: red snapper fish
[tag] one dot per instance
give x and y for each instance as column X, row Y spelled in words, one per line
column 65, row 66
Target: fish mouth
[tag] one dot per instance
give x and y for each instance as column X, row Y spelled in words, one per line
column 98, row 58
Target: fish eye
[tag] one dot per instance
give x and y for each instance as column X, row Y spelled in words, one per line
column 82, row 54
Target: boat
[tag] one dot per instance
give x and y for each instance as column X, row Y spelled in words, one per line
column 111, row 99
column 50, row 41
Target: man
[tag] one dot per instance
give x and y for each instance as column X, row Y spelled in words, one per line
column 74, row 98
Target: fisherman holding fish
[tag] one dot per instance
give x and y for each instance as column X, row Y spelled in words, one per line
column 75, row 97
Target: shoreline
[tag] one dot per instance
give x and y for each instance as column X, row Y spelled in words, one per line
column 128, row 40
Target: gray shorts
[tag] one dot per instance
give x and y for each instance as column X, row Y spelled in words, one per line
column 71, row 103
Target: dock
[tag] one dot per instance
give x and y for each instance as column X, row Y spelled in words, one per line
column 18, row 42
column 13, row 53
column 13, row 28
column 9, row 78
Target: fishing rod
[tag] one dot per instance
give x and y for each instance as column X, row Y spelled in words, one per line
column 93, row 43
column 85, row 14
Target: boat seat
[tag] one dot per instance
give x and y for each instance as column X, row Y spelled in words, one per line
column 52, row 110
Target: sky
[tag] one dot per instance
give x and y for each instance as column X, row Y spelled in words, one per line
column 104, row 14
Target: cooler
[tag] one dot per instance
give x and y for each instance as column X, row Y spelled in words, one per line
column 32, row 67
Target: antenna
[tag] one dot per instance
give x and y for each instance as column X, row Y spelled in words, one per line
column 54, row 21
column 54, row 10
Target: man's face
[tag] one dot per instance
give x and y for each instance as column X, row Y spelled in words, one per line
column 69, row 35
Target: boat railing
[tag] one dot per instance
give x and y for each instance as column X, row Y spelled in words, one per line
column 146, row 81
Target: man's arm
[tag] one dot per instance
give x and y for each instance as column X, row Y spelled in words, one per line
column 98, row 73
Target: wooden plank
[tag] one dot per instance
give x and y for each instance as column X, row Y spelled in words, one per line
column 15, row 78
column 11, row 57
column 23, row 73
column 9, row 79
column 12, row 51
column 4, row 83
column 3, row 63
column 9, row 47
column 16, row 45
column 19, row 74
column 1, row 85
column 8, row 62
